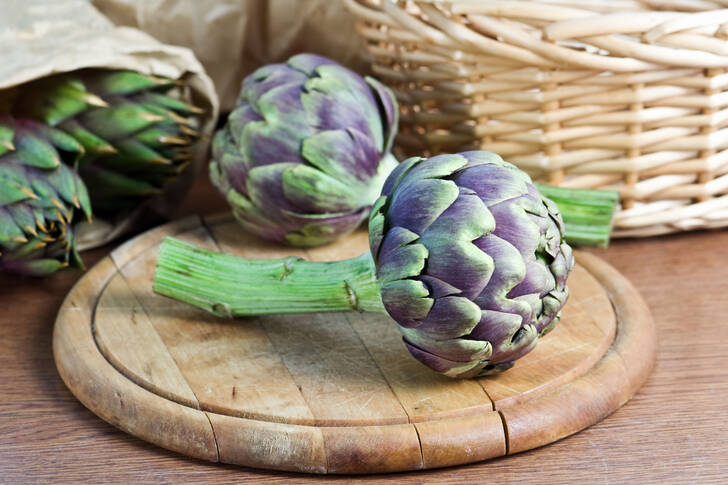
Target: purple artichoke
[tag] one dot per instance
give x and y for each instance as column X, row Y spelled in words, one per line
column 471, row 260
column 305, row 152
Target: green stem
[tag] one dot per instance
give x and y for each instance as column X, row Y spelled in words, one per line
column 588, row 214
column 230, row 286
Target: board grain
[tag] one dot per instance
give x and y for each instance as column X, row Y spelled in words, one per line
column 337, row 392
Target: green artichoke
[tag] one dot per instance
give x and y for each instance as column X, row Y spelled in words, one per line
column 39, row 195
column 136, row 131
column 466, row 256
column 305, row 152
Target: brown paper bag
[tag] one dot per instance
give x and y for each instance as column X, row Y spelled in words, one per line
column 233, row 37
column 39, row 38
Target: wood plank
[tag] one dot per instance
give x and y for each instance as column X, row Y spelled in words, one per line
column 269, row 445
column 127, row 338
column 232, row 367
column 594, row 299
column 336, row 375
column 570, row 408
column 455, row 441
column 109, row 394
column 372, row 449
column 636, row 342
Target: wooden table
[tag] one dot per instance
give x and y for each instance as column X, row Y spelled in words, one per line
column 673, row 431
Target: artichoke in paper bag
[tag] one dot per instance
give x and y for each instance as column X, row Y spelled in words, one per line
column 40, row 197
column 130, row 101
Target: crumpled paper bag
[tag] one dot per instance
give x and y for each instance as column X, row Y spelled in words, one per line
column 39, row 38
column 234, row 37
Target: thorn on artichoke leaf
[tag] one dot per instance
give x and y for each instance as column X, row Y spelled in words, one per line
column 163, row 81
column 29, row 192
column 76, row 202
column 174, row 82
column 173, row 140
column 105, row 150
column 159, row 160
column 57, row 203
column 8, row 144
column 94, row 100
column 189, row 131
column 39, row 245
column 59, row 214
column 151, row 118
column 181, row 120
column 31, row 230
column 194, row 109
column 19, row 239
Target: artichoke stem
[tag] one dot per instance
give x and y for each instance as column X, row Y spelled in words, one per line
column 230, row 286
column 588, row 214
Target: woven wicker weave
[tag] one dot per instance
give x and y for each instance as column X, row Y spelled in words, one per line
column 620, row 94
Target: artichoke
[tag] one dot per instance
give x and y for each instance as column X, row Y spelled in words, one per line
column 136, row 131
column 471, row 261
column 304, row 153
column 466, row 256
column 39, row 195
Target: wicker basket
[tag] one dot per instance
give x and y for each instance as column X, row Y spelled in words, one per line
column 620, row 94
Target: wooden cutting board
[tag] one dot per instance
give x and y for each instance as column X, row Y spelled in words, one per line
column 337, row 392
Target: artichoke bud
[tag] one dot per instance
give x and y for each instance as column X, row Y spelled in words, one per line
column 471, row 259
column 134, row 127
column 39, row 196
column 303, row 155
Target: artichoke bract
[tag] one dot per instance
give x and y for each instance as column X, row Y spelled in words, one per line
column 467, row 256
column 304, row 153
column 135, row 129
column 39, row 196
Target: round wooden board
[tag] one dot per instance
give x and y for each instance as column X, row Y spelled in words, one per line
column 331, row 393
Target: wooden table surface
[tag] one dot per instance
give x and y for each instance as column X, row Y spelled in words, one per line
column 673, row 431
